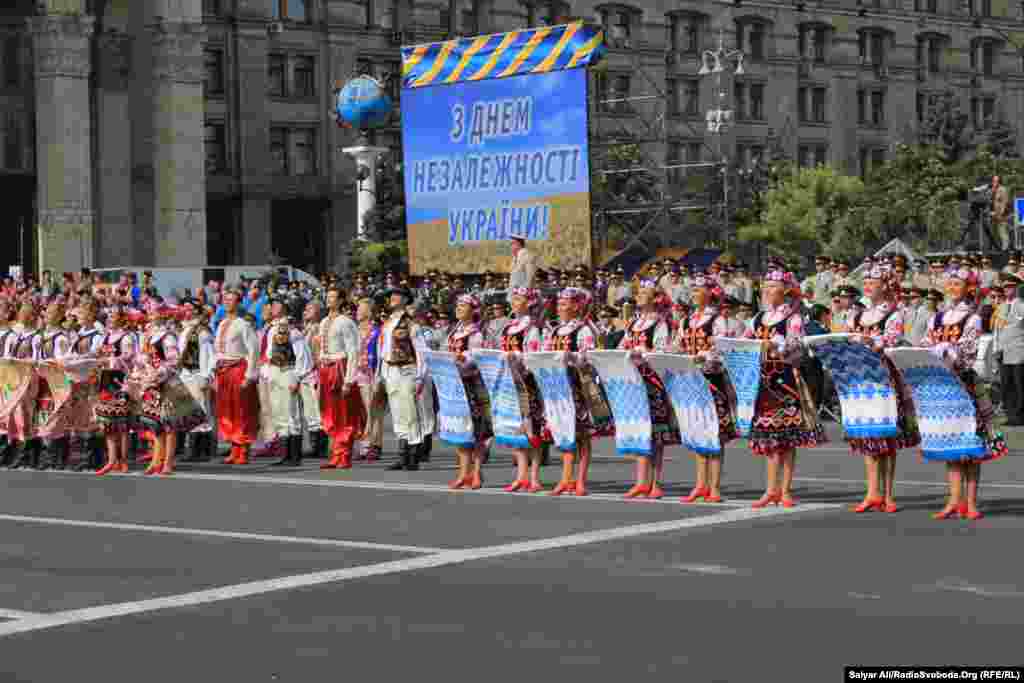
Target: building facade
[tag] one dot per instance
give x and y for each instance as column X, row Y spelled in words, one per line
column 188, row 132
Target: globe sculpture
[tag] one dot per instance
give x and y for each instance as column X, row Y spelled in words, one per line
column 363, row 104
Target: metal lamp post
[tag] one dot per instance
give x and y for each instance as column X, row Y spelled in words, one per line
column 718, row 62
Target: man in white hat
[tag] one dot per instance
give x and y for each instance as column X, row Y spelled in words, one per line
column 523, row 266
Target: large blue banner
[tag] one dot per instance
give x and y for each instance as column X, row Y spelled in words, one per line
column 489, row 158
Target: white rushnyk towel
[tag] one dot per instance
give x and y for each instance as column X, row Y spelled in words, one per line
column 552, row 375
column 454, row 421
column 691, row 400
column 742, row 360
column 863, row 383
column 508, row 419
column 627, row 397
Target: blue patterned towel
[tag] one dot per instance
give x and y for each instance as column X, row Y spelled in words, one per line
column 506, row 411
column 691, row 399
column 945, row 411
column 742, row 360
column 627, row 397
column 454, row 421
column 552, row 375
column 863, row 383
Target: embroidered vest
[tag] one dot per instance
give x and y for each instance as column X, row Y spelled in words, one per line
column 763, row 332
column 567, row 342
column 873, row 330
column 695, row 340
column 402, row 351
column 282, row 353
column 190, row 356
column 948, row 333
column 515, row 341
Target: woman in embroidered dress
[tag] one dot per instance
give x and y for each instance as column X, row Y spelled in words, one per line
column 880, row 326
column 523, row 335
column 465, row 336
column 166, row 406
column 784, row 415
column 953, row 336
column 114, row 408
column 575, row 336
column 648, row 332
column 695, row 337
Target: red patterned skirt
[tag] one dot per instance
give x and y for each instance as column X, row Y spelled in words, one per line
column 170, row 408
column 342, row 416
column 784, row 415
column 114, row 406
column 237, row 405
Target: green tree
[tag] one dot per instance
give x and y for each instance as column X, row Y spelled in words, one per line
column 1000, row 138
column 803, row 211
column 914, row 196
column 945, row 126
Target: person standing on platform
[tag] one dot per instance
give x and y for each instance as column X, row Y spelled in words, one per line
column 523, row 267
column 237, row 398
column 1011, row 345
column 1001, row 213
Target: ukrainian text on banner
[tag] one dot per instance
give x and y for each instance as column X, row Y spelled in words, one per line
column 510, row 421
column 552, row 375
column 486, row 159
column 454, row 421
column 945, row 412
column 627, row 397
column 863, row 383
column 691, row 399
column 742, row 360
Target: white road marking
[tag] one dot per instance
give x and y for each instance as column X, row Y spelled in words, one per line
column 235, row 535
column 903, row 482
column 864, row 596
column 443, row 559
column 712, row 569
column 19, row 614
column 993, row 592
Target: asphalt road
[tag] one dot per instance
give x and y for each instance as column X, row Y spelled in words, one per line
column 257, row 574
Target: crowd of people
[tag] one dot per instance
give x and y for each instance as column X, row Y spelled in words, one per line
column 267, row 363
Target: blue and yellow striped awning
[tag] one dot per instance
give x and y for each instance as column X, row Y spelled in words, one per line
column 534, row 50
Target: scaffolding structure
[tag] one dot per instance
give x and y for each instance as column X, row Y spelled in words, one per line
column 661, row 201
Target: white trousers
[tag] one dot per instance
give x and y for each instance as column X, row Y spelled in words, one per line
column 194, row 383
column 425, row 404
column 400, row 384
column 285, row 408
column 310, row 406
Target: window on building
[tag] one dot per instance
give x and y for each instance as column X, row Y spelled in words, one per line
column 617, row 24
column 750, row 101
column 983, row 112
column 216, row 148
column 983, row 57
column 802, row 104
column 11, row 57
column 877, row 108
column 691, row 97
column 213, row 72
column 872, row 47
column 13, row 143
column 929, row 53
column 862, row 110
column 303, row 148
column 620, row 91
column 747, row 154
column 291, row 10
column 751, row 37
column 276, row 76
column 812, row 41
column 929, row 6
column 871, row 159
column 819, row 112
column 303, row 77
column 279, row 150
column 686, row 33
column 921, row 106
column 980, row 8
column 212, row 8
column 545, row 12
column 812, row 154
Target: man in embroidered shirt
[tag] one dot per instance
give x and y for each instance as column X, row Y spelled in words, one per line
column 237, row 397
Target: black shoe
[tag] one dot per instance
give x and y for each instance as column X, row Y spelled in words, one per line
column 322, row 442
column 7, row 452
column 22, row 456
column 289, row 452
column 410, row 459
column 295, row 450
column 61, row 451
column 423, row 452
column 192, row 446
column 403, row 457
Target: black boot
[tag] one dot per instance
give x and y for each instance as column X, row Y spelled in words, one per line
column 295, row 450
column 64, row 454
column 210, row 452
column 411, row 458
column 288, row 452
column 403, row 456
column 93, row 459
column 22, row 456
column 7, row 452
column 48, row 455
column 192, row 446
column 35, row 447
column 322, row 442
column 545, row 454
column 423, row 452
column 179, row 447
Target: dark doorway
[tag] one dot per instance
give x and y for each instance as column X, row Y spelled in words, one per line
column 221, row 228
column 19, row 193
column 298, row 233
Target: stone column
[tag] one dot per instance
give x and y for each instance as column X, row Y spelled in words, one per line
column 65, row 216
column 115, row 209
column 366, row 157
column 179, row 159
